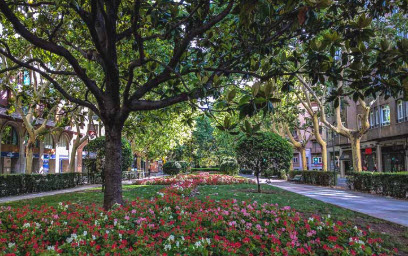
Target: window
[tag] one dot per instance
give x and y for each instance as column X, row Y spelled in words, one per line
column 406, row 110
column 317, row 160
column 385, row 115
column 48, row 142
column 372, row 119
column 63, row 143
column 400, row 111
column 9, row 136
column 377, row 117
column 295, row 159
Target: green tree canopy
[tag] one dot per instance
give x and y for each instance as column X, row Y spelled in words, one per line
column 264, row 151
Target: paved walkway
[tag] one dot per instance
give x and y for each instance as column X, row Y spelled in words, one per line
column 385, row 208
column 62, row 191
column 48, row 193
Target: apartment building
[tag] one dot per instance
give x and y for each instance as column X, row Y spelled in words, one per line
column 51, row 152
column 313, row 149
column 384, row 148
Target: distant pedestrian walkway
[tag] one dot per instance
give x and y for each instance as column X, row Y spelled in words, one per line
column 390, row 209
column 48, row 193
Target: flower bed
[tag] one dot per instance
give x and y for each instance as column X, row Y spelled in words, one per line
column 203, row 178
column 171, row 224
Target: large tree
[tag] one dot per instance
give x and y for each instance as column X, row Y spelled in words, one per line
column 125, row 56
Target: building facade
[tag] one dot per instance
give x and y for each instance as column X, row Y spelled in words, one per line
column 384, row 147
column 313, row 149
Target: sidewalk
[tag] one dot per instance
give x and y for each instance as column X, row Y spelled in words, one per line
column 385, row 208
column 62, row 191
column 48, row 193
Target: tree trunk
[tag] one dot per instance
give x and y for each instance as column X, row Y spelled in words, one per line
column 257, row 180
column 324, row 157
column 319, row 139
column 356, row 154
column 303, row 156
column 72, row 157
column 113, row 168
column 29, row 157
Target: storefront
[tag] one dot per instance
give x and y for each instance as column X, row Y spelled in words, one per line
column 369, row 159
column 393, row 158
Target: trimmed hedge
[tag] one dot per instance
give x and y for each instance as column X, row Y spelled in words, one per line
column 320, row 178
column 393, row 184
column 17, row 184
column 208, row 169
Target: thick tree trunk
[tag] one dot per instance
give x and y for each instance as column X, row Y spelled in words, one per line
column 303, row 156
column 356, row 154
column 29, row 157
column 113, row 168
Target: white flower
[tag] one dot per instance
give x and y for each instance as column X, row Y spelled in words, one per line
column 182, row 238
column 177, row 244
column 208, row 240
column 319, row 228
column 311, row 219
column 10, row 245
column 26, row 225
column 50, row 248
column 93, row 237
column 171, row 238
column 198, row 244
column 328, row 216
column 85, row 233
column 167, row 247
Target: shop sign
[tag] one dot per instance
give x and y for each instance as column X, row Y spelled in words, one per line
column 368, row 151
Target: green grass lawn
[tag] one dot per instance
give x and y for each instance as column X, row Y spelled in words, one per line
column 393, row 234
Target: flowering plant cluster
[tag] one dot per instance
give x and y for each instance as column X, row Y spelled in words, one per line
column 201, row 178
column 171, row 224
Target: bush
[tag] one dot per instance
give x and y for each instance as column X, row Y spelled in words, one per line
column 320, row 178
column 209, row 169
column 246, row 172
column 172, row 168
column 393, row 184
column 229, row 165
column 184, row 166
column 17, row 184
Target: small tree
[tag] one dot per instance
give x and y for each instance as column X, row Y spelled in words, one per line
column 264, row 151
column 229, row 165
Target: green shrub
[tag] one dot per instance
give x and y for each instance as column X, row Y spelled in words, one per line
column 17, row 184
column 172, row 168
column 393, row 184
column 209, row 169
column 320, row 178
column 184, row 166
column 229, row 165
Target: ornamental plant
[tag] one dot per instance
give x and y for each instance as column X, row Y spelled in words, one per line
column 263, row 151
column 172, row 168
column 229, row 165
